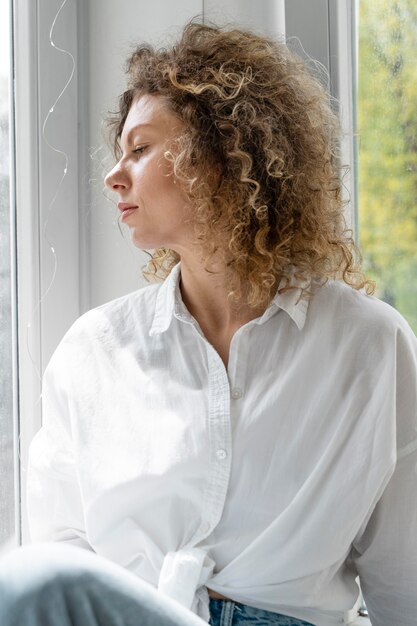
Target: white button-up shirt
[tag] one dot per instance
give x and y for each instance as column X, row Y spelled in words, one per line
column 274, row 482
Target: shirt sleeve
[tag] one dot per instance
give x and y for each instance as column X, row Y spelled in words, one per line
column 54, row 500
column 385, row 550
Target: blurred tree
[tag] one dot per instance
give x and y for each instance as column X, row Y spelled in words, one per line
column 387, row 137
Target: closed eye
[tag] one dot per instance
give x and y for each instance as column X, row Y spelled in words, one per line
column 139, row 149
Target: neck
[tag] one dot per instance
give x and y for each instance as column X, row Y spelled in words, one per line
column 205, row 296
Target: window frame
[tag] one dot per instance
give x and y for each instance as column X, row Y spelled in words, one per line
column 41, row 319
column 14, row 532
column 26, row 226
column 331, row 42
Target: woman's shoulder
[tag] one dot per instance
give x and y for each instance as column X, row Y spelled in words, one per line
column 127, row 314
column 340, row 303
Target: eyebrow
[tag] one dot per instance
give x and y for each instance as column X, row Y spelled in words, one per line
column 132, row 130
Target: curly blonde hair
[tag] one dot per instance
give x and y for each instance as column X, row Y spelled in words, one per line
column 253, row 112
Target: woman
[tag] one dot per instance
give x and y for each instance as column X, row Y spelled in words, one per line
column 243, row 436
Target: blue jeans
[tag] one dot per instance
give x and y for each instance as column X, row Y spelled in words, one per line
column 60, row 585
column 228, row 613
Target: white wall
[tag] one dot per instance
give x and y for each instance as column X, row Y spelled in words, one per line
column 265, row 16
column 111, row 265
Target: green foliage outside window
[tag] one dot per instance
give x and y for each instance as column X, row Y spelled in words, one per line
column 387, row 139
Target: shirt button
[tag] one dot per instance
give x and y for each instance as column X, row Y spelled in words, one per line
column 237, row 393
column 221, row 454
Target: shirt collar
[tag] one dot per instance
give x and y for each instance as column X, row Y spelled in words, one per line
column 169, row 303
column 290, row 301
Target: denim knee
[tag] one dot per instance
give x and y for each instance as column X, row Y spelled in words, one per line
column 63, row 585
column 35, row 575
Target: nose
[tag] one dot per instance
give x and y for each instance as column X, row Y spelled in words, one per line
column 116, row 179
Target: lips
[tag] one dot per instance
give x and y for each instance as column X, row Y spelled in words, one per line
column 125, row 206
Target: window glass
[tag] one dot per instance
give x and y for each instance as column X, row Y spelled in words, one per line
column 387, row 147
column 7, row 443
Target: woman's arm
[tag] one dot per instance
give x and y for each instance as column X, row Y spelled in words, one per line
column 385, row 550
column 54, row 500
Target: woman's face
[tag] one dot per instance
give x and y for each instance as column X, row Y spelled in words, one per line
column 144, row 180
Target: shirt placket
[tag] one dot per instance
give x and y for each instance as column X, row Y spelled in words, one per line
column 226, row 392
column 220, row 441
column 220, row 438
column 185, row 572
column 238, row 360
